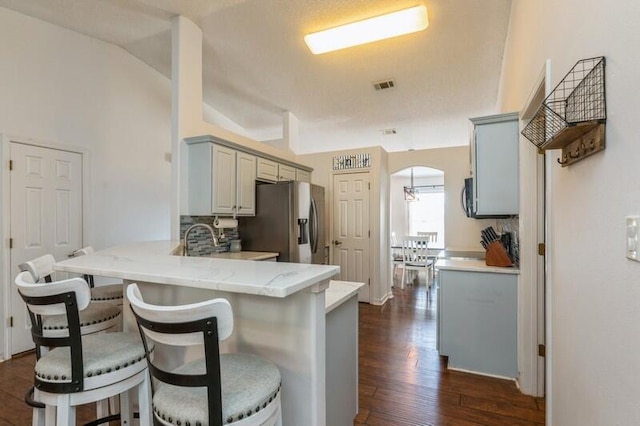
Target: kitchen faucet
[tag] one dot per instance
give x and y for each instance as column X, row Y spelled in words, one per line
column 185, row 251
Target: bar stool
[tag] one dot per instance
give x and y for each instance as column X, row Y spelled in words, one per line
column 230, row 389
column 79, row 369
column 96, row 318
column 113, row 293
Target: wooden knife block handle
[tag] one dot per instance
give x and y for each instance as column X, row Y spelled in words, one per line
column 497, row 255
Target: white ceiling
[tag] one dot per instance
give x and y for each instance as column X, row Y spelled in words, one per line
column 256, row 65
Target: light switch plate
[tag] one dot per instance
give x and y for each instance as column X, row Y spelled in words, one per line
column 633, row 238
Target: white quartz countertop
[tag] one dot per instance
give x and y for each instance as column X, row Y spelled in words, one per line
column 244, row 255
column 474, row 265
column 338, row 292
column 152, row 262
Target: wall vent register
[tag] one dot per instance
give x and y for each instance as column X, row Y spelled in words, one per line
column 384, row 84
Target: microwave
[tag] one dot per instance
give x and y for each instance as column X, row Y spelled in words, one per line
column 466, row 198
column 468, row 202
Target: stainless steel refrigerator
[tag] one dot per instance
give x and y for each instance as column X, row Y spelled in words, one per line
column 289, row 220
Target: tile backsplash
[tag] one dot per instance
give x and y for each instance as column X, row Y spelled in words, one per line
column 511, row 225
column 200, row 243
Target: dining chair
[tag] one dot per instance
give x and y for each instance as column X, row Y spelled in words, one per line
column 432, row 237
column 415, row 257
column 77, row 368
column 230, row 388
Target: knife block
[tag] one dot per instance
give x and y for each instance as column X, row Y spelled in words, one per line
column 497, row 255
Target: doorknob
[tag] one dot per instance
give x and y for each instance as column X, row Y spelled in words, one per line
column 337, row 243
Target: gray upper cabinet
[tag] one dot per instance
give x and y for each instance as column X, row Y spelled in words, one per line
column 303, row 176
column 267, row 170
column 494, row 164
column 221, row 181
column 222, row 176
column 272, row 171
column 286, row 172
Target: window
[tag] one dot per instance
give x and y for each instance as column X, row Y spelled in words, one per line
column 427, row 214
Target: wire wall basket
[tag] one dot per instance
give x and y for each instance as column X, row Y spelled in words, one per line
column 576, row 107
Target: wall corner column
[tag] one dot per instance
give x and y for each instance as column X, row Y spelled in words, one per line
column 186, row 107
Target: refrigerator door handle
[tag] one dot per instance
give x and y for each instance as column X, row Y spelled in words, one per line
column 314, row 226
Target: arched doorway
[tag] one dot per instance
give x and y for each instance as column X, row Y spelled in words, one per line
column 426, row 212
column 417, row 205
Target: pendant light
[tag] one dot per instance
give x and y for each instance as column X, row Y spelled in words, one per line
column 410, row 193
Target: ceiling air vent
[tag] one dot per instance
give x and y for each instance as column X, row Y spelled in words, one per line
column 384, row 84
column 387, row 132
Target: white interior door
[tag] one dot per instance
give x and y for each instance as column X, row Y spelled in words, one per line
column 46, row 217
column 351, row 229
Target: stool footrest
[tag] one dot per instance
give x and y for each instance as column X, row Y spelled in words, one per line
column 104, row 420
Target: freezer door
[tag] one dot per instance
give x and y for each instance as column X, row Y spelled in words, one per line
column 300, row 243
column 318, row 226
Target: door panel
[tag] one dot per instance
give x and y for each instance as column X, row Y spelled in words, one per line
column 46, row 217
column 351, row 229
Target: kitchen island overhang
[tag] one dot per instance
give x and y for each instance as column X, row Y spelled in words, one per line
column 279, row 309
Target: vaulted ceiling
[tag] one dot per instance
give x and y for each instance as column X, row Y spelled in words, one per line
column 256, row 65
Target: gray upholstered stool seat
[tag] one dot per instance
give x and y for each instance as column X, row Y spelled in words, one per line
column 103, row 354
column 108, row 293
column 249, row 383
column 96, row 314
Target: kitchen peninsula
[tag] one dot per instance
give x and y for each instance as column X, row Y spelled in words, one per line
column 279, row 309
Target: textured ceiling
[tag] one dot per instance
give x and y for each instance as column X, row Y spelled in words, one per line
column 256, row 65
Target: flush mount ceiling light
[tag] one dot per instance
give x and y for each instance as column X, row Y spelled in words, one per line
column 373, row 29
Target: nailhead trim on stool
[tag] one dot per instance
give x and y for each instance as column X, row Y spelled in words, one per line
column 55, row 366
column 94, row 314
column 249, row 384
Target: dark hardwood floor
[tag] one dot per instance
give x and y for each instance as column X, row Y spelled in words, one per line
column 16, row 378
column 403, row 381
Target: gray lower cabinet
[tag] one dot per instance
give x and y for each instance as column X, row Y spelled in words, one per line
column 478, row 319
column 342, row 363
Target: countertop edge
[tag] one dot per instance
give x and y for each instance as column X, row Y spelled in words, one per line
column 339, row 292
column 153, row 261
column 474, row 266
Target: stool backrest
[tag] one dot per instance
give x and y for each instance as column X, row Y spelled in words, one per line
column 81, row 252
column 84, row 250
column 28, row 287
column 66, row 297
column 204, row 323
column 40, row 268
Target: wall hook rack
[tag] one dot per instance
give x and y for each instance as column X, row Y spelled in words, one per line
column 574, row 114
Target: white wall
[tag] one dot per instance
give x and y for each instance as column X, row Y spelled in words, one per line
column 461, row 232
column 322, row 164
column 69, row 89
column 595, row 291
